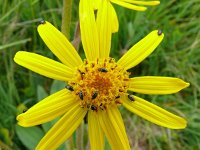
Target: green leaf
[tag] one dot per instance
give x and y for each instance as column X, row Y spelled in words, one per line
column 4, row 135
column 46, row 126
column 41, row 93
column 29, row 136
column 57, row 85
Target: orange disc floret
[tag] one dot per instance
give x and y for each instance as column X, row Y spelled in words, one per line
column 99, row 84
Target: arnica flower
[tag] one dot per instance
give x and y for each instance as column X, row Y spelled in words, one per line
column 97, row 86
column 131, row 4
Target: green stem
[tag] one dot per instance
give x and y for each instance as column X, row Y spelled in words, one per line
column 66, row 17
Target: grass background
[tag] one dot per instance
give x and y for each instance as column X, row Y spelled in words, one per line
column 177, row 56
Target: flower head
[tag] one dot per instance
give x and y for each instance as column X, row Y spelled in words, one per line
column 137, row 5
column 97, row 86
column 130, row 4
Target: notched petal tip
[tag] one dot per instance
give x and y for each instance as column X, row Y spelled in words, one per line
column 18, row 117
column 142, row 8
column 154, row 3
column 182, row 84
column 187, row 84
column 157, row 2
column 20, row 120
column 182, row 125
column 17, row 56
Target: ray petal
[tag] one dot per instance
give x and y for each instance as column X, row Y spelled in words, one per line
column 154, row 113
column 113, row 18
column 113, row 127
column 157, row 85
column 146, row 3
column 96, row 4
column 128, row 5
column 48, row 109
column 141, row 50
column 115, row 23
column 96, row 134
column 89, row 33
column 104, row 23
column 59, row 45
column 44, row 66
column 63, row 129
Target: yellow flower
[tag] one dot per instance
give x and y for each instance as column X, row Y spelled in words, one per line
column 137, row 5
column 131, row 4
column 96, row 86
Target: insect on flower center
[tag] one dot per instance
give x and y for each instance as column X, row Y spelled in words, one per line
column 99, row 84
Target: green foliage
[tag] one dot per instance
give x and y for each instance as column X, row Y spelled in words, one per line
column 177, row 56
column 29, row 136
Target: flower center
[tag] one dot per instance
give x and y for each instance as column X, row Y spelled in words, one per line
column 99, row 84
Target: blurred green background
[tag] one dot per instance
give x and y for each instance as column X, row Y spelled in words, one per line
column 177, row 56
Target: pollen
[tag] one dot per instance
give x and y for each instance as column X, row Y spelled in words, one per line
column 100, row 84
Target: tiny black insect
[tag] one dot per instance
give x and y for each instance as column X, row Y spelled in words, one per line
column 42, row 22
column 103, row 70
column 159, row 32
column 82, row 73
column 131, row 97
column 69, row 87
column 93, row 107
column 101, row 106
column 94, row 95
column 24, row 110
column 117, row 97
column 81, row 95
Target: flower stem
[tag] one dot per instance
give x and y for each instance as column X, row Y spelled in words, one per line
column 66, row 17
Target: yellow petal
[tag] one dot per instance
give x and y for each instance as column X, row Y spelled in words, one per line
column 157, row 85
column 113, row 18
column 89, row 34
column 146, row 3
column 104, row 23
column 59, row 45
column 47, row 109
column 128, row 5
column 63, row 129
column 115, row 23
column 113, row 127
column 154, row 113
column 95, row 132
column 141, row 50
column 44, row 66
column 96, row 4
